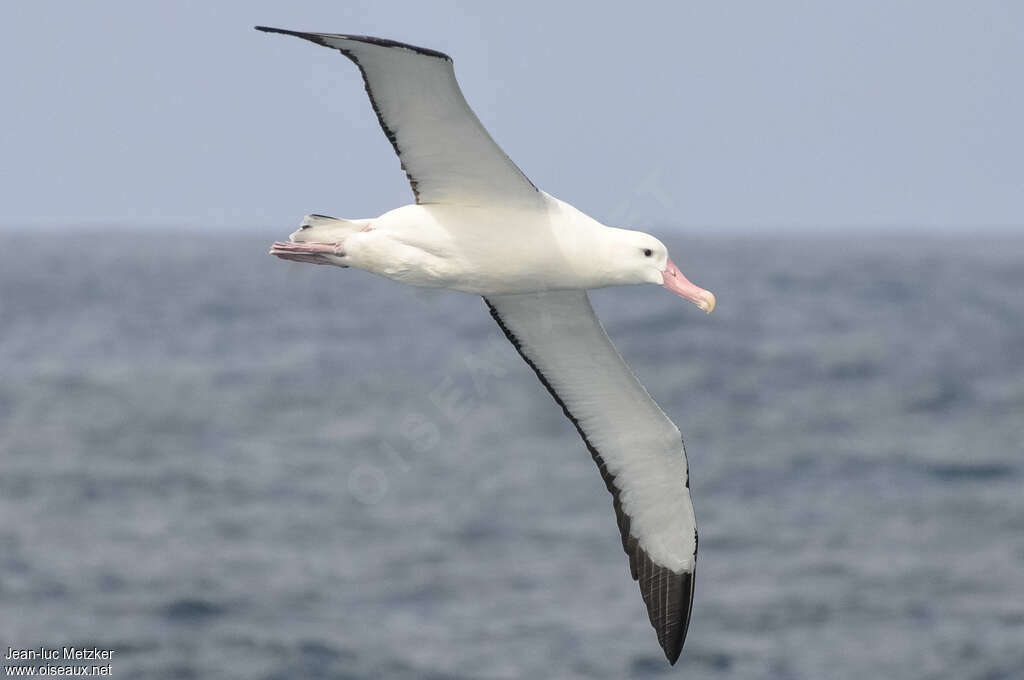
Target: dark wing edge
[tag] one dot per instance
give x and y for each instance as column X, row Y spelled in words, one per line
column 668, row 595
column 318, row 39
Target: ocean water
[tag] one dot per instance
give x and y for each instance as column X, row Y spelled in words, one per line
column 221, row 465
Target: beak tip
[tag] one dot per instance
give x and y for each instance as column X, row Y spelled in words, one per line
column 708, row 302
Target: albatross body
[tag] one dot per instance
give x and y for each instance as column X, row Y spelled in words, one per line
column 480, row 226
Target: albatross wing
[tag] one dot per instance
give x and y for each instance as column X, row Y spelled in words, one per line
column 638, row 450
column 444, row 149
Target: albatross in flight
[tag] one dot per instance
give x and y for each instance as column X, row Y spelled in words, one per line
column 480, row 226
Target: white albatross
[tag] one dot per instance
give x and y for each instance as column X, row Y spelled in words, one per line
column 480, row 226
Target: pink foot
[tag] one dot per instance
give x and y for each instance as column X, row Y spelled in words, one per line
column 291, row 248
column 311, row 259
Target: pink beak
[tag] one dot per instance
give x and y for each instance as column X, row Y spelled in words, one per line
column 681, row 286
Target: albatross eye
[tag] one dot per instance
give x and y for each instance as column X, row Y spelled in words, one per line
column 648, row 252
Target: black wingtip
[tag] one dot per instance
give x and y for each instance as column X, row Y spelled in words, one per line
column 321, row 39
column 311, row 37
column 669, row 600
column 673, row 650
column 271, row 29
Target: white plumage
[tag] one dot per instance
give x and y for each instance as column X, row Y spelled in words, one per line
column 480, row 226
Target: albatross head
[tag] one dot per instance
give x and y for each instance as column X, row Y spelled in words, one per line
column 641, row 258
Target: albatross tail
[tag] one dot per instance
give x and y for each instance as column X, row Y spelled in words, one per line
column 324, row 229
column 319, row 240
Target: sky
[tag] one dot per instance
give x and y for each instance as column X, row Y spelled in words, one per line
column 701, row 116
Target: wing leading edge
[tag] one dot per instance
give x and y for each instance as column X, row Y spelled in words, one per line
column 446, row 152
column 638, row 450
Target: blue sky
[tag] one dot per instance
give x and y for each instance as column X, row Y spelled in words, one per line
column 698, row 115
